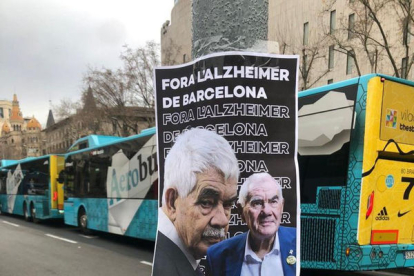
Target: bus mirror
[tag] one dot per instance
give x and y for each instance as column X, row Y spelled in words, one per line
column 61, row 178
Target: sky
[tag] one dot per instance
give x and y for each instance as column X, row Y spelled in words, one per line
column 46, row 46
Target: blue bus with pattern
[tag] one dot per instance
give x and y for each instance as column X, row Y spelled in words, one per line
column 29, row 187
column 356, row 163
column 112, row 186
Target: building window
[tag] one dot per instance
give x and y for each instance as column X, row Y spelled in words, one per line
column 330, row 81
column 351, row 25
column 404, row 68
column 305, row 33
column 332, row 22
column 1, row 112
column 349, row 62
column 184, row 58
column 331, row 57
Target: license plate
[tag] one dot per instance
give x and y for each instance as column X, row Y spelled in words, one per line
column 409, row 255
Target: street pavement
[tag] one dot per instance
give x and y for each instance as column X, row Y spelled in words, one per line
column 52, row 248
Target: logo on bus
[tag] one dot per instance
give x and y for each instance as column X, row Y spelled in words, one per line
column 383, row 215
column 391, row 118
column 389, row 181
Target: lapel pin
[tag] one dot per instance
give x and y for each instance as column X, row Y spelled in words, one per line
column 291, row 260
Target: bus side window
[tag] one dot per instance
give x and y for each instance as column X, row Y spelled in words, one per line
column 98, row 172
column 85, row 180
column 22, row 190
column 3, row 182
column 69, row 181
column 81, row 178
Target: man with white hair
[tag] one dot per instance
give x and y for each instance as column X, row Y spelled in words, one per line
column 200, row 188
column 267, row 248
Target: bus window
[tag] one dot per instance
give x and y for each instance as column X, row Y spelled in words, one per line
column 35, row 177
column 3, row 182
column 325, row 124
column 69, row 178
column 36, row 183
column 98, row 168
column 81, row 177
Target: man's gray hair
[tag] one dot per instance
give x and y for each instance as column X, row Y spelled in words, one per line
column 195, row 151
column 255, row 178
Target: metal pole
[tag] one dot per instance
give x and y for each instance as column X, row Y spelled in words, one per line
column 229, row 25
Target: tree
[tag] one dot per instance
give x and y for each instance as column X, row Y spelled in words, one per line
column 65, row 108
column 171, row 54
column 126, row 94
column 308, row 73
column 312, row 50
column 365, row 35
column 138, row 73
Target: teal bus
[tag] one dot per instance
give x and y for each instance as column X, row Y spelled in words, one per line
column 356, row 167
column 29, row 187
column 111, row 185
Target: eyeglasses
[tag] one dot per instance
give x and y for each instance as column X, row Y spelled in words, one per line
column 259, row 203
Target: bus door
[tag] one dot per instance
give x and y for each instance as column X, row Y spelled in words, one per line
column 60, row 189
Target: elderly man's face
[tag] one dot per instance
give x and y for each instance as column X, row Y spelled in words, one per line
column 202, row 217
column 263, row 210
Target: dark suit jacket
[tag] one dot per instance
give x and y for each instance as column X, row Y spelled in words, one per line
column 170, row 260
column 226, row 257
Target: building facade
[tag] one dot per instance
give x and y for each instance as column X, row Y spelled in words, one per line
column 335, row 39
column 176, row 36
column 341, row 39
column 61, row 135
column 19, row 137
column 24, row 137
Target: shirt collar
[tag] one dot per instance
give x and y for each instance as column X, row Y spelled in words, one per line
column 250, row 254
column 166, row 227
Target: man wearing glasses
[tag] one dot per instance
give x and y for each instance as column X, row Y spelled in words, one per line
column 267, row 248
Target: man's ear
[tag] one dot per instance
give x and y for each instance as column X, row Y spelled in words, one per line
column 240, row 211
column 171, row 195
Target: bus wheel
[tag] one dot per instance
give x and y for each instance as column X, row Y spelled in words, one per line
column 83, row 221
column 33, row 213
column 26, row 213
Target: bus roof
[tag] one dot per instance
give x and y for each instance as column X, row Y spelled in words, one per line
column 93, row 141
column 362, row 79
column 6, row 163
column 108, row 142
